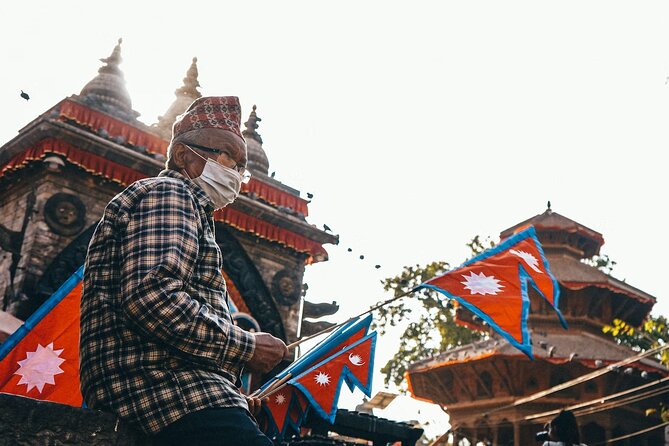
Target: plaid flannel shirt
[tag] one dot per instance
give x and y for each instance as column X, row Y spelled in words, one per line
column 157, row 340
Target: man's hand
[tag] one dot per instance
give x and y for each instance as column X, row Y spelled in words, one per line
column 268, row 352
column 254, row 405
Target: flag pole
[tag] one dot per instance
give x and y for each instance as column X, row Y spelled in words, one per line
column 273, row 386
column 329, row 329
column 273, row 391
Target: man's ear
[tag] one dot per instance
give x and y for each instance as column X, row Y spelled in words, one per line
column 179, row 155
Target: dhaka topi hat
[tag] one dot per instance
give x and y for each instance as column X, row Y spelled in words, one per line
column 216, row 112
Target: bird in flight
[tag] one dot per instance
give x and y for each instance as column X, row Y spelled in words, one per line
column 310, row 195
column 25, row 95
column 326, row 227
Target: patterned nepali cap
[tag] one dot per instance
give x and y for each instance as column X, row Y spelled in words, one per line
column 217, row 112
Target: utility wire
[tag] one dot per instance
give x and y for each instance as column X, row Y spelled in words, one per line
column 576, row 381
column 633, row 434
column 585, row 411
column 596, row 400
column 579, row 380
column 626, row 436
column 374, row 308
column 624, row 402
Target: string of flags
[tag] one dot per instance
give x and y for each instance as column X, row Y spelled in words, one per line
column 41, row 359
column 314, row 381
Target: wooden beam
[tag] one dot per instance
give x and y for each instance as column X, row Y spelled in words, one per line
column 480, row 381
column 502, row 377
column 596, row 301
column 464, row 387
column 448, row 395
column 625, row 316
column 508, row 372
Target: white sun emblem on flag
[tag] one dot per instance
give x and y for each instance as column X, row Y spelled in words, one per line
column 322, row 379
column 40, row 367
column 481, row 284
column 280, row 399
column 531, row 261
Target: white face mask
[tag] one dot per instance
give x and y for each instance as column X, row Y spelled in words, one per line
column 220, row 183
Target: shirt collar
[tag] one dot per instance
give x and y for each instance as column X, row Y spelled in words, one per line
column 200, row 195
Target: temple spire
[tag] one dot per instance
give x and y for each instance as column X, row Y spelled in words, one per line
column 113, row 61
column 185, row 95
column 191, row 83
column 107, row 90
column 258, row 161
column 252, row 126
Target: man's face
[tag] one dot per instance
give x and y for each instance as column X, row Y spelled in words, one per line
column 230, row 151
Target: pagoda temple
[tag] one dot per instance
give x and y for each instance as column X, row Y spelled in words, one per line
column 60, row 171
column 477, row 384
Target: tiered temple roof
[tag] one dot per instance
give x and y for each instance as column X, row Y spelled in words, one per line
column 476, row 379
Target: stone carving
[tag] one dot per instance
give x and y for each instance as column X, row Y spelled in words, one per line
column 5, row 274
column 246, row 277
column 310, row 328
column 315, row 310
column 10, row 240
column 65, row 264
column 286, row 288
column 65, row 214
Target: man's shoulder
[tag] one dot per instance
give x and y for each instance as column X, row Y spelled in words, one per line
column 146, row 185
column 128, row 199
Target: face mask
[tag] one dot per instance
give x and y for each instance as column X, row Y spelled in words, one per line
column 220, row 183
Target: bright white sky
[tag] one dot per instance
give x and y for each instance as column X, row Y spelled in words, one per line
column 416, row 125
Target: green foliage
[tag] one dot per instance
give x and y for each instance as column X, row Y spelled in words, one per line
column 477, row 245
column 435, row 329
column 652, row 333
column 603, row 263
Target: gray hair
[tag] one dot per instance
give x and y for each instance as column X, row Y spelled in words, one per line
column 180, row 139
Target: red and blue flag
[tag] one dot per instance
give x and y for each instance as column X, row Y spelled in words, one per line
column 286, row 410
column 494, row 286
column 322, row 383
column 337, row 340
column 41, row 359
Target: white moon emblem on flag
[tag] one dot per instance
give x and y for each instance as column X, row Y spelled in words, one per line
column 355, row 360
column 40, row 367
column 531, row 261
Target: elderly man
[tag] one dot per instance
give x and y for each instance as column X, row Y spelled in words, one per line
column 158, row 346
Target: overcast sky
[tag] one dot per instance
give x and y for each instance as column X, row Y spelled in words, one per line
column 416, row 125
